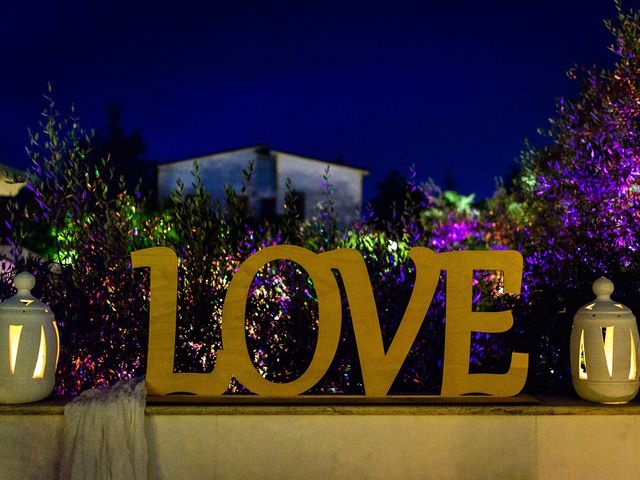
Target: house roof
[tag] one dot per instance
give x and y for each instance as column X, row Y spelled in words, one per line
column 261, row 149
column 13, row 171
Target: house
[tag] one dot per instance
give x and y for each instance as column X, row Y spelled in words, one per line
column 9, row 187
column 272, row 168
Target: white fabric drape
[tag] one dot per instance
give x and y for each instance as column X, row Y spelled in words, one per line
column 104, row 435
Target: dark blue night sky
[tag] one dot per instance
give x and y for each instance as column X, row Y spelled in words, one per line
column 447, row 84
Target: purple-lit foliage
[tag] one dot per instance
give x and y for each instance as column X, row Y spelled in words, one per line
column 575, row 209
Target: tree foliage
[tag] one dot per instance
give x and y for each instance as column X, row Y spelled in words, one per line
column 575, row 209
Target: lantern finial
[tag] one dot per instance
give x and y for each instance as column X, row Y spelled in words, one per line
column 603, row 288
column 24, row 282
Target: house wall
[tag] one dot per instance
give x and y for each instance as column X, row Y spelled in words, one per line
column 218, row 170
column 306, row 176
column 10, row 189
column 271, row 171
column 7, row 187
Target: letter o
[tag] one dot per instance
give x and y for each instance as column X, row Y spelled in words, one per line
column 234, row 353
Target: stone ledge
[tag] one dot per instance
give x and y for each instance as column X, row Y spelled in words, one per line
column 525, row 405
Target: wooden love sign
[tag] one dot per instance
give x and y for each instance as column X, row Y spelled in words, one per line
column 379, row 367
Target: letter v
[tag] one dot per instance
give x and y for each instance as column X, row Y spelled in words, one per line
column 379, row 369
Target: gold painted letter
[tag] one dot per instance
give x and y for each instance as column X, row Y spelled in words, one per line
column 380, row 368
column 461, row 321
column 160, row 378
column 234, row 345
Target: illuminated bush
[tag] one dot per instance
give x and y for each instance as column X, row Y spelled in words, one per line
column 575, row 210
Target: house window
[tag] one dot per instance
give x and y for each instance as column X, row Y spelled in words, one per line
column 243, row 203
column 268, row 208
column 298, row 202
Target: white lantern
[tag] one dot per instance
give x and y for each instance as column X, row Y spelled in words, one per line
column 29, row 345
column 604, row 349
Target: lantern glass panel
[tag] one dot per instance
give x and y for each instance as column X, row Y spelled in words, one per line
column 14, row 341
column 582, row 360
column 607, row 338
column 38, row 371
column 633, row 367
column 55, row 328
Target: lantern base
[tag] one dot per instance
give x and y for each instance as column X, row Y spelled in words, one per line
column 25, row 391
column 606, row 392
